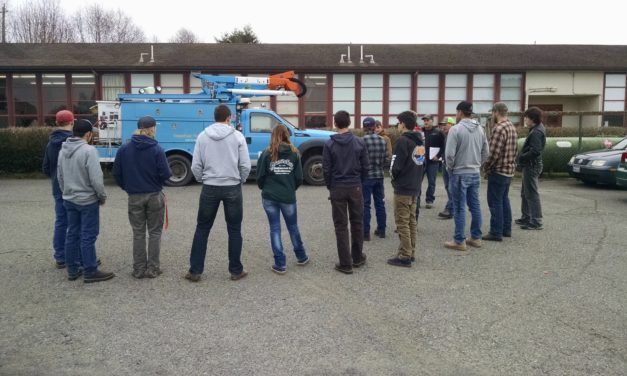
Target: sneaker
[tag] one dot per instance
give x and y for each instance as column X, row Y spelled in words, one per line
column 237, row 277
column 428, row 205
column 152, row 273
column 139, row 274
column 380, row 233
column 397, row 261
column 74, row 277
column 361, row 262
column 278, row 270
column 367, row 237
column 455, row 246
column 59, row 264
column 303, row 262
column 530, row 226
column 474, row 243
column 98, row 276
column 445, row 214
column 344, row 269
column 492, row 237
column 521, row 221
column 192, row 277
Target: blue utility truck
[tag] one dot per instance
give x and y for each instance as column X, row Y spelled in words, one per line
column 181, row 117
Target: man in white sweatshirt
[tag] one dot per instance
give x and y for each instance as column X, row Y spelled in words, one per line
column 222, row 164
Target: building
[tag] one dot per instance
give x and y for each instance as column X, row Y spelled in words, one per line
column 37, row 80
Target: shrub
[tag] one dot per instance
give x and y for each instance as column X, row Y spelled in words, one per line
column 22, row 149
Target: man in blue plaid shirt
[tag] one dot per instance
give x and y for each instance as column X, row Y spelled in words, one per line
column 373, row 184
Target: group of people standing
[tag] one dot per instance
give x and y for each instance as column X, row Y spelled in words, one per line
column 353, row 167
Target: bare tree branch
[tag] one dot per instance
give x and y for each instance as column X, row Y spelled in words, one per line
column 39, row 21
column 184, row 36
column 94, row 24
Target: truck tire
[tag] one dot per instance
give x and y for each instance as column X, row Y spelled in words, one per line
column 181, row 170
column 312, row 170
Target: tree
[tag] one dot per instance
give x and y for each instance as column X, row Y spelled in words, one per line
column 39, row 21
column 184, row 36
column 95, row 24
column 246, row 35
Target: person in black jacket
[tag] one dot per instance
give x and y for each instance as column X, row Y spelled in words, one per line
column 434, row 140
column 279, row 174
column 530, row 159
column 141, row 168
column 64, row 120
column 345, row 165
column 406, row 168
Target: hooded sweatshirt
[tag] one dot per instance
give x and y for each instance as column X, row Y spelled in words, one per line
column 408, row 161
column 345, row 161
column 79, row 173
column 51, row 157
column 141, row 166
column 466, row 148
column 221, row 156
column 279, row 180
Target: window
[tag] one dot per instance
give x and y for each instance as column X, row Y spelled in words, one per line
column 316, row 102
column 4, row 107
column 344, row 94
column 195, row 85
column 25, row 97
column 171, row 83
column 399, row 95
column 428, row 93
column 371, row 96
column 112, row 85
column 482, row 93
column 141, row 80
column 454, row 91
column 54, row 95
column 262, row 123
column 614, row 99
column 511, row 94
column 83, row 94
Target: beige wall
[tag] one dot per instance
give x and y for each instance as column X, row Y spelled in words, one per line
column 575, row 91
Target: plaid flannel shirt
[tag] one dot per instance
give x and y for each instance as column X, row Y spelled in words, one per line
column 502, row 159
column 377, row 154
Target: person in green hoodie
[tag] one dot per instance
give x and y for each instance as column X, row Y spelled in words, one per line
column 279, row 174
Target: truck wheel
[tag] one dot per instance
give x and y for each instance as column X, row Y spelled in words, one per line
column 181, row 170
column 312, row 170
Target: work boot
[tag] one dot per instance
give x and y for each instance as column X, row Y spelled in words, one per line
column 455, row 246
column 98, row 276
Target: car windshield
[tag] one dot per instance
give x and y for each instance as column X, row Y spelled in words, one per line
column 621, row 145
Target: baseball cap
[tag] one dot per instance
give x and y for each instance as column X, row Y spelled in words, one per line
column 499, row 107
column 81, row 127
column 64, row 116
column 369, row 122
column 426, row 116
column 146, row 122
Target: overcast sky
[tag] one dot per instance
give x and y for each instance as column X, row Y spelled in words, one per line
column 388, row 21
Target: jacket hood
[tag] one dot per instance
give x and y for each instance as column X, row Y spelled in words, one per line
column 142, row 142
column 414, row 137
column 343, row 138
column 72, row 145
column 470, row 124
column 285, row 151
column 219, row 131
column 58, row 136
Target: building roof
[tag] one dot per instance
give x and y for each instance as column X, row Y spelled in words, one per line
column 270, row 58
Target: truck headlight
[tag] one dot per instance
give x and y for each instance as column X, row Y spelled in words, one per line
column 598, row 163
column 572, row 160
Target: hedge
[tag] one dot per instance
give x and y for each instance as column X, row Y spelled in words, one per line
column 22, row 149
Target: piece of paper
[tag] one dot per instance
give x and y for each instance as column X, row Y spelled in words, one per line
column 433, row 152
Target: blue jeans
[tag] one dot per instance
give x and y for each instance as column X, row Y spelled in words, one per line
column 432, row 172
column 210, row 198
column 80, row 241
column 449, row 201
column 290, row 215
column 465, row 190
column 60, row 229
column 498, row 201
column 374, row 188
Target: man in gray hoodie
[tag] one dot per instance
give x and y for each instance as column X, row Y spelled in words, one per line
column 222, row 164
column 466, row 150
column 80, row 181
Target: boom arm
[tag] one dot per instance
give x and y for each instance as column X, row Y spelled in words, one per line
column 228, row 87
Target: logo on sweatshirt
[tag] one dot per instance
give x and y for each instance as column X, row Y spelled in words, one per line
column 418, row 155
column 282, row 167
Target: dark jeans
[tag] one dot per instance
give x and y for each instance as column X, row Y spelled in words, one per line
column 210, row 198
column 465, row 191
column 347, row 203
column 530, row 207
column 498, row 201
column 146, row 212
column 449, row 201
column 374, row 188
column 80, row 241
column 431, row 171
column 274, row 210
column 60, row 229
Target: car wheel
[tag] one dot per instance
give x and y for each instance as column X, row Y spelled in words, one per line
column 312, row 170
column 181, row 168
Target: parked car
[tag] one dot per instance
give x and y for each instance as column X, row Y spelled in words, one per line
column 621, row 172
column 598, row 166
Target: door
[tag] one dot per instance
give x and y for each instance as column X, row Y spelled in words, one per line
column 261, row 125
column 550, row 120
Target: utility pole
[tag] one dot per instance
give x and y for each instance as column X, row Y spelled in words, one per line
column 4, row 24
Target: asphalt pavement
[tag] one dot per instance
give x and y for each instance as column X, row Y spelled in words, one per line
column 550, row 302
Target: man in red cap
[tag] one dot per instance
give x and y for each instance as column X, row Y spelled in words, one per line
column 64, row 121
